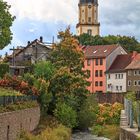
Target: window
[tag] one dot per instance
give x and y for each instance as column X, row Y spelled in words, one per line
column 88, row 62
column 120, row 88
column 89, row 73
column 116, row 76
column 96, row 83
column 89, row 31
column 117, row 88
column 89, row 19
column 101, row 61
column 129, row 83
column 138, row 83
column 121, row 76
column 101, row 73
column 96, row 73
column 135, row 72
column 101, row 83
column 135, row 83
column 96, row 62
column 129, row 73
column 109, row 76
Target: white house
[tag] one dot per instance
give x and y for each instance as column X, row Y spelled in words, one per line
column 116, row 75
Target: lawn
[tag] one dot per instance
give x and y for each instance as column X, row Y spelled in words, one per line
column 8, row 92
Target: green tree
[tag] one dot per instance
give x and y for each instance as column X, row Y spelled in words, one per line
column 6, row 20
column 44, row 69
column 128, row 42
column 68, row 84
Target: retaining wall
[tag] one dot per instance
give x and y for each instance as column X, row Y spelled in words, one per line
column 127, row 133
column 11, row 123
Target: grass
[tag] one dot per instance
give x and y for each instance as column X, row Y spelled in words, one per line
column 48, row 129
column 8, row 92
column 108, row 131
column 18, row 106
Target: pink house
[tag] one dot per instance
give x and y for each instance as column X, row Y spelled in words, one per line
column 98, row 59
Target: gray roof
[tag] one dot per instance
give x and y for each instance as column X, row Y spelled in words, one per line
column 89, row 1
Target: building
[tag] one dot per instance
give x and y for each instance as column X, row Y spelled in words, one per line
column 88, row 18
column 133, row 73
column 116, row 76
column 98, row 60
column 23, row 57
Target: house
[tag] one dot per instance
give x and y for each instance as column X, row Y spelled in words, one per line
column 133, row 73
column 98, row 60
column 116, row 75
column 23, row 57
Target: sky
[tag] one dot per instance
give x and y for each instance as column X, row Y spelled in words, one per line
column 35, row 18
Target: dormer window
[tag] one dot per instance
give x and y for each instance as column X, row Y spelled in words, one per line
column 95, row 51
column 105, row 51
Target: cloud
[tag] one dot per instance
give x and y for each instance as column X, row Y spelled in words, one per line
column 45, row 10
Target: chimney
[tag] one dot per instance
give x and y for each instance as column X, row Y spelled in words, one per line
column 28, row 42
column 41, row 39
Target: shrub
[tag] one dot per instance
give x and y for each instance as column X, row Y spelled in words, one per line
column 66, row 115
column 4, row 68
column 29, row 79
column 87, row 114
column 97, row 130
column 59, row 133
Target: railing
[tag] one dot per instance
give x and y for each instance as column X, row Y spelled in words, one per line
column 5, row 100
column 129, row 111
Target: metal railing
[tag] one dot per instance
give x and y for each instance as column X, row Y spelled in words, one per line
column 129, row 112
column 6, row 100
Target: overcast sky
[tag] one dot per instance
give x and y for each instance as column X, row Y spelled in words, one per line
column 35, row 18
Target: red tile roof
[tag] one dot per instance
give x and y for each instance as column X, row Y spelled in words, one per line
column 135, row 64
column 100, row 51
column 120, row 63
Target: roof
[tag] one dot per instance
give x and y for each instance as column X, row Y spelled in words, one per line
column 88, row 1
column 100, row 51
column 18, row 51
column 135, row 64
column 120, row 63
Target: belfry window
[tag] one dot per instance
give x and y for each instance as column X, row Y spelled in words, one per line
column 89, row 31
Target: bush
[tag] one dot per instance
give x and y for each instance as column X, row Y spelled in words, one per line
column 4, row 68
column 87, row 114
column 59, row 133
column 66, row 115
column 29, row 79
column 97, row 130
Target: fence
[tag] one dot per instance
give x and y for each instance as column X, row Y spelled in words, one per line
column 5, row 100
column 132, row 112
column 110, row 97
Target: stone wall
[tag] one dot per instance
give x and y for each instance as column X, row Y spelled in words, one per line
column 11, row 123
column 127, row 133
column 110, row 98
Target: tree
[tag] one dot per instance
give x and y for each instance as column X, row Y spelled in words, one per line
column 128, row 42
column 44, row 69
column 6, row 20
column 68, row 84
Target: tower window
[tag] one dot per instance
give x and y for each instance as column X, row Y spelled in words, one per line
column 89, row 19
column 89, row 31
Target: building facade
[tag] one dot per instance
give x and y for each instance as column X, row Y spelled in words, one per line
column 116, row 75
column 23, row 57
column 133, row 74
column 98, row 61
column 88, row 18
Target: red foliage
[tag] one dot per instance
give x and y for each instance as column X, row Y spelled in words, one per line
column 19, row 85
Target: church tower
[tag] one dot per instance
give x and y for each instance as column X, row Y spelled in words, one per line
column 88, row 18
